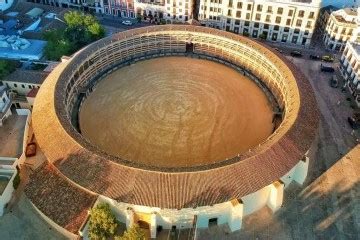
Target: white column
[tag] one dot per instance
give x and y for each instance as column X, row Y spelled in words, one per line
column 301, row 170
column 153, row 225
column 275, row 199
column 236, row 215
column 129, row 217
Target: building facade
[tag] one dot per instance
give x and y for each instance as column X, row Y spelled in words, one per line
column 281, row 21
column 350, row 69
column 85, row 5
column 340, row 28
column 323, row 18
column 169, row 10
column 20, row 83
column 5, row 103
column 119, row 8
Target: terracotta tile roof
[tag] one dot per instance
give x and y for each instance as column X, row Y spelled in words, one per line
column 32, row 93
column 60, row 200
column 27, row 76
column 128, row 182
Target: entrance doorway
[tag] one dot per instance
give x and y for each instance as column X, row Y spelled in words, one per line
column 213, row 222
column 189, row 47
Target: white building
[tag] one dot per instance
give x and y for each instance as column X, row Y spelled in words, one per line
column 5, row 104
column 350, row 69
column 340, row 28
column 21, row 82
column 287, row 21
column 170, row 10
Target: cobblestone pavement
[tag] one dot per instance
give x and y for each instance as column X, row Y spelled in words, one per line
column 327, row 206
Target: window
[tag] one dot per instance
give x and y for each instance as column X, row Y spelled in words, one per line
column 298, row 23
column 256, row 25
column 211, row 9
column 229, row 13
column 280, row 10
column 291, row 12
column 311, row 15
column 308, row 24
column 301, row 13
column 288, row 22
column 286, row 29
column 278, row 20
column 259, row 8
column 230, row 3
column 22, row 85
column 297, row 31
column 257, row 17
column 15, row 85
column 276, row 28
column 269, row 10
column 266, row 26
column 247, row 23
column 237, row 22
column 228, row 20
column 249, row 7
column 30, row 87
column 238, row 14
column 247, row 16
column 239, row 5
column 267, row 18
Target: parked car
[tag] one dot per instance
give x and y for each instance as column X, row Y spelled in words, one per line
column 127, row 22
column 296, row 54
column 314, row 57
column 324, row 68
column 354, row 124
column 334, row 82
column 327, row 58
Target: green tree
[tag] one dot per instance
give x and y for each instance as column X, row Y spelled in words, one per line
column 6, row 67
column 102, row 223
column 81, row 29
column 57, row 45
column 133, row 233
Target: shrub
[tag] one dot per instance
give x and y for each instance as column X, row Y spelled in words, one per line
column 246, row 34
column 102, row 223
column 133, row 233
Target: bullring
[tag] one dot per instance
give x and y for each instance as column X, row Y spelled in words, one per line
column 188, row 196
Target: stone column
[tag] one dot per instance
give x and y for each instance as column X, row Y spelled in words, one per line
column 129, row 217
column 153, row 225
column 236, row 215
column 276, row 195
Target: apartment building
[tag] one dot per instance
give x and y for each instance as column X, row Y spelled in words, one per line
column 287, row 21
column 340, row 28
column 170, row 10
column 85, row 5
column 119, row 8
column 323, row 18
column 350, row 69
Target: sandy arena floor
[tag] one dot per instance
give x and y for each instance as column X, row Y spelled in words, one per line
column 176, row 111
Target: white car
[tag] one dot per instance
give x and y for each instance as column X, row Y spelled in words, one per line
column 127, row 22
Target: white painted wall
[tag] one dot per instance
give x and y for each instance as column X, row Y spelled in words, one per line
column 7, row 193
